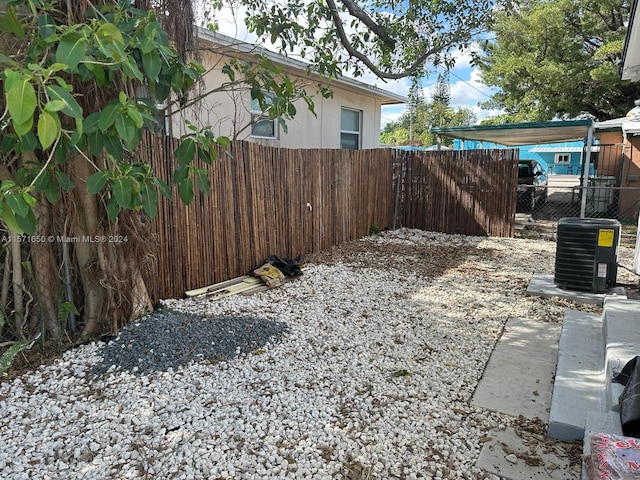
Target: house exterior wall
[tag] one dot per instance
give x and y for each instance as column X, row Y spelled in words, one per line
column 630, row 203
column 626, row 171
column 228, row 113
column 616, row 151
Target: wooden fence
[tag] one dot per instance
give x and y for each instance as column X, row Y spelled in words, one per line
column 266, row 201
column 467, row 192
column 291, row 202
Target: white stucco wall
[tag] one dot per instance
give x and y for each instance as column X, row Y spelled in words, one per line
column 227, row 112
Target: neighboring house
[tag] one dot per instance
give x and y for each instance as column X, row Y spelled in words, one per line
column 350, row 119
column 561, row 158
column 558, row 158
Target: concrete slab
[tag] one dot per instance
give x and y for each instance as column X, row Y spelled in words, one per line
column 579, row 377
column 513, row 457
column 531, row 338
column 542, row 285
column 518, row 379
column 621, row 337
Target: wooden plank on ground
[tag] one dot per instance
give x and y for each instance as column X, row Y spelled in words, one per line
column 245, row 279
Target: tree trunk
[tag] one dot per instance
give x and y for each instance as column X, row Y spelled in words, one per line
column 6, row 284
column 84, row 225
column 18, row 286
column 45, row 269
column 111, row 270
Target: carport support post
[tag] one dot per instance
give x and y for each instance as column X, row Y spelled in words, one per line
column 585, row 172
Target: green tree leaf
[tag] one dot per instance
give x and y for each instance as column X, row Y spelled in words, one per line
column 28, row 142
column 203, row 182
column 95, row 142
column 9, row 218
column 64, row 181
column 21, row 99
column 151, row 64
column 28, row 223
column 9, row 355
column 54, row 106
column 113, row 209
column 46, row 25
column 17, row 204
column 52, row 192
column 48, row 129
column 108, row 116
column 72, row 108
column 69, row 307
column 23, row 129
column 135, row 116
column 42, row 182
column 9, row 23
column 125, row 128
column 109, row 32
column 97, row 181
column 165, row 190
column 149, row 200
column 31, row 201
column 121, row 188
column 180, row 173
column 185, row 191
column 113, row 147
column 186, row 151
column 71, row 50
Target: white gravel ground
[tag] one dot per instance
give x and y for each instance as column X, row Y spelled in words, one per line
column 388, row 338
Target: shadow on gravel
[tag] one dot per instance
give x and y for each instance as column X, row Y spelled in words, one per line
column 168, row 339
column 421, row 258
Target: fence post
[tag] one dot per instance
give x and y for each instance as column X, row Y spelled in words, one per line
column 585, row 172
column 394, row 221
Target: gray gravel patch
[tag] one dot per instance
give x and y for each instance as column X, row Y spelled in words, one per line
column 170, row 339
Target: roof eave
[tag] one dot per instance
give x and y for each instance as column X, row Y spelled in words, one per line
column 630, row 65
column 555, row 131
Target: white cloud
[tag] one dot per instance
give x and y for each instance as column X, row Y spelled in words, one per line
column 485, row 114
column 463, row 58
column 391, row 113
column 467, row 92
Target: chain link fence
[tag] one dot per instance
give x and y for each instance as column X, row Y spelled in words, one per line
column 539, row 208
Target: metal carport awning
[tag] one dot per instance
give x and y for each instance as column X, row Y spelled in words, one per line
column 515, row 134
column 531, row 133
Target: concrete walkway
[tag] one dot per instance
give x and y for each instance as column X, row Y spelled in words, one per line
column 518, row 381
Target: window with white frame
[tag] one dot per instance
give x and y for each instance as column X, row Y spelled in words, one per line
column 350, row 124
column 562, row 158
column 261, row 125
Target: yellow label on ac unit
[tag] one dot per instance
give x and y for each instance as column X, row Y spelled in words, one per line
column 605, row 237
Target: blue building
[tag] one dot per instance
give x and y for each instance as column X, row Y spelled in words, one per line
column 557, row 158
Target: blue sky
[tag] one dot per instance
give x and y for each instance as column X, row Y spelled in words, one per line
column 467, row 89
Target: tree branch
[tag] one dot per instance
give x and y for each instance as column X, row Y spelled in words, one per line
column 365, row 60
column 360, row 14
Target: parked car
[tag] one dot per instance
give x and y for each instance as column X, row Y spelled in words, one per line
column 532, row 185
